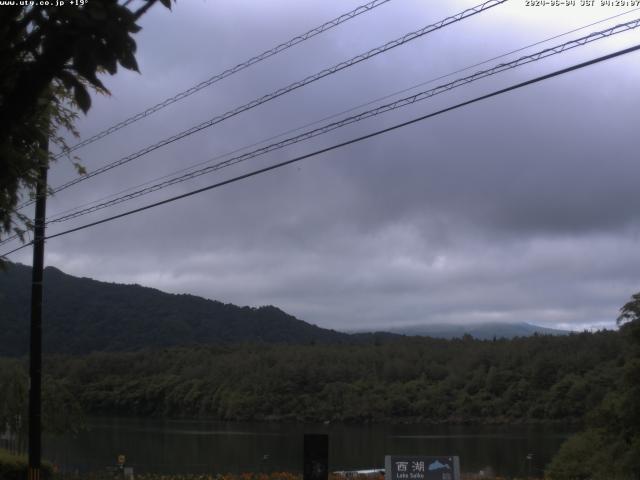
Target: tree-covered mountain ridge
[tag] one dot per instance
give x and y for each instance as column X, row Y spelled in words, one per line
column 83, row 315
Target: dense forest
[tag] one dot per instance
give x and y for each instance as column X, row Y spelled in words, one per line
column 540, row 378
column 609, row 447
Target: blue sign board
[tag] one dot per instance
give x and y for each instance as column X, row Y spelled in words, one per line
column 404, row 467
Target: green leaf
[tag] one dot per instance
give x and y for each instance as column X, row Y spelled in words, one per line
column 95, row 81
column 82, row 97
column 129, row 61
column 68, row 79
column 80, row 169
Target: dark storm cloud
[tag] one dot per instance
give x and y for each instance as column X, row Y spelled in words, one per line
column 522, row 207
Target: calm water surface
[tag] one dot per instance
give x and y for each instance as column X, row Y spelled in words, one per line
column 191, row 446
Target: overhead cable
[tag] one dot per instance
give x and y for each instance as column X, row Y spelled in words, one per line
column 403, row 102
column 282, row 91
column 330, row 117
column 343, row 144
column 227, row 73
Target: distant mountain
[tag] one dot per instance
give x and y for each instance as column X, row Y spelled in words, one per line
column 82, row 315
column 481, row 331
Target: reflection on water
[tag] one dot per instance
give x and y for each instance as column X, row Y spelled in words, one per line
column 190, row 446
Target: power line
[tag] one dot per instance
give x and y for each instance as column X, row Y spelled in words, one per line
column 282, row 91
column 344, row 144
column 78, row 211
column 18, row 248
column 330, row 117
column 361, row 116
column 227, row 73
column 210, row 81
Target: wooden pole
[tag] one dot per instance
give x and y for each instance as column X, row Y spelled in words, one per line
column 35, row 352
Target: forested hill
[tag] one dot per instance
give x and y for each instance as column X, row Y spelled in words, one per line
column 84, row 315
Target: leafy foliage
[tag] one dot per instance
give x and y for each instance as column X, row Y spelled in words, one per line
column 48, row 58
column 61, row 412
column 13, row 408
column 609, row 448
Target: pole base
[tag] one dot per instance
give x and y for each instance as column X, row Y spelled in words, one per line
column 33, row 473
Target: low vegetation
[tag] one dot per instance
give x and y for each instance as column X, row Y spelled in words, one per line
column 14, row 467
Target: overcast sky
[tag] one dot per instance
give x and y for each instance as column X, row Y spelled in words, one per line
column 524, row 207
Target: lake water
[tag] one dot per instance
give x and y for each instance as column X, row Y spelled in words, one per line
column 190, row 446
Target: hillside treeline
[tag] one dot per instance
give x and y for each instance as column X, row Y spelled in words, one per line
column 82, row 315
column 534, row 379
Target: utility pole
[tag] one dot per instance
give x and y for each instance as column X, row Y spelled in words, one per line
column 35, row 348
